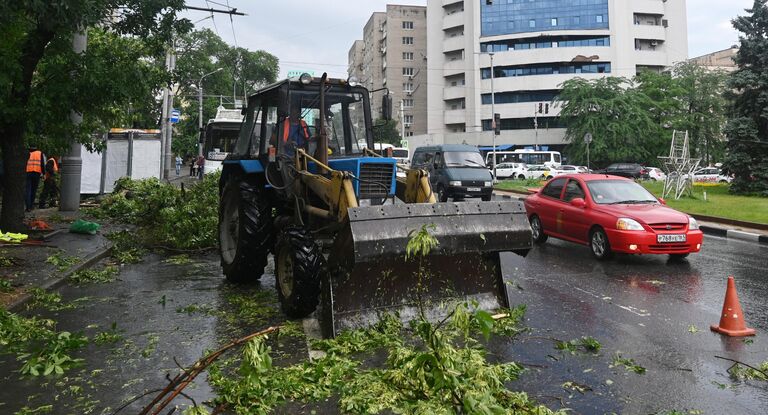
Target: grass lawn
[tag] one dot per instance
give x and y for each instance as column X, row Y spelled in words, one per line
column 719, row 202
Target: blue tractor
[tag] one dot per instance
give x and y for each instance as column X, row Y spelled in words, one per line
column 336, row 217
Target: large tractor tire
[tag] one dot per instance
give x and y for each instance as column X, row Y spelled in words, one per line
column 246, row 232
column 298, row 270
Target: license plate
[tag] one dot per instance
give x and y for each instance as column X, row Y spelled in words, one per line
column 670, row 238
column 473, row 189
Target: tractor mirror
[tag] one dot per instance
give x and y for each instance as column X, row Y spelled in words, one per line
column 578, row 202
column 386, row 107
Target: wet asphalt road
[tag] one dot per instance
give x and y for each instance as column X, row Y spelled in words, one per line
column 642, row 307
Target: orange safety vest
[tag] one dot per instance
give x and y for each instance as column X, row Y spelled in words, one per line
column 287, row 129
column 35, row 162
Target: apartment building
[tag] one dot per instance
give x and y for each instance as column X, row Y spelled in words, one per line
column 393, row 55
column 534, row 46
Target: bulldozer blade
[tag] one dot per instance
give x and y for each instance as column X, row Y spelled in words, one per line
column 369, row 274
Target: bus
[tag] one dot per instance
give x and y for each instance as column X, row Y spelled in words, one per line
column 527, row 156
column 220, row 136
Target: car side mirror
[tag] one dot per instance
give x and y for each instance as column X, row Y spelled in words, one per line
column 662, row 201
column 578, row 202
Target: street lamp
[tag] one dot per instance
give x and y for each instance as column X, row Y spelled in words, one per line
column 200, row 118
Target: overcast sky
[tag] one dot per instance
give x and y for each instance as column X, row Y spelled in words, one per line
column 316, row 35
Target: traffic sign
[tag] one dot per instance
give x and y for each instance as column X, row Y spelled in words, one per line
column 175, row 114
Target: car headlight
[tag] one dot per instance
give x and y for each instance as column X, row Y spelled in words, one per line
column 487, row 184
column 454, row 183
column 692, row 223
column 627, row 224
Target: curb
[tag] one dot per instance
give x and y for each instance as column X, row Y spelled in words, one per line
column 58, row 282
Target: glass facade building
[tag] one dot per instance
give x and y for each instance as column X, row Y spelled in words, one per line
column 545, row 42
column 503, row 17
column 545, row 69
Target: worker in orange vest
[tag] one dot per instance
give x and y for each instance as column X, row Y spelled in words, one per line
column 35, row 167
column 50, row 189
column 295, row 131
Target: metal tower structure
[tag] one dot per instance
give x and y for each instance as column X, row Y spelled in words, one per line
column 679, row 166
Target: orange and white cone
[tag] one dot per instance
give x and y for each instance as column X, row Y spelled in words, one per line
column 732, row 318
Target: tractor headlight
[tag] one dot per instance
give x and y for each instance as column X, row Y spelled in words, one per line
column 692, row 223
column 352, row 81
column 305, row 79
column 627, row 224
column 454, row 183
column 487, row 184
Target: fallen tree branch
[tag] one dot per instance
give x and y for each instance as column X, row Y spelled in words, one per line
column 183, row 379
column 743, row 364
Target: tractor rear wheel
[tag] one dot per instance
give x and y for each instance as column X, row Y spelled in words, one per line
column 246, row 233
column 298, row 267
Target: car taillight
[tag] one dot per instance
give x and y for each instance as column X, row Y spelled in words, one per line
column 643, row 171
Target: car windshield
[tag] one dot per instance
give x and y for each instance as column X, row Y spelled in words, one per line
column 463, row 159
column 613, row 192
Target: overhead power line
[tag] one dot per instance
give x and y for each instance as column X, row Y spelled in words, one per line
column 232, row 12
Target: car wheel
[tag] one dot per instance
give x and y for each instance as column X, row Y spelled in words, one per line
column 537, row 231
column 598, row 242
column 298, row 266
column 442, row 194
column 723, row 181
column 246, row 234
column 653, row 179
column 521, row 177
column 678, row 257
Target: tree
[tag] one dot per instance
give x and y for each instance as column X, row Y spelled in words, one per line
column 616, row 114
column 42, row 80
column 747, row 130
column 201, row 52
column 386, row 132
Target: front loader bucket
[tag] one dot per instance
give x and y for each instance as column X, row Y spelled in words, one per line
column 369, row 274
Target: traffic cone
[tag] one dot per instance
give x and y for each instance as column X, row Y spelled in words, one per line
column 732, row 319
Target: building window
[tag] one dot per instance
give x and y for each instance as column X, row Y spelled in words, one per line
column 532, row 23
column 576, row 20
column 546, row 69
column 408, row 120
column 407, row 71
column 409, row 133
column 407, row 56
column 407, row 25
column 408, row 103
column 408, row 86
column 554, row 22
column 599, row 18
column 407, row 40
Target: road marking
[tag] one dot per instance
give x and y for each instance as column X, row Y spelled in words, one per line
column 633, row 310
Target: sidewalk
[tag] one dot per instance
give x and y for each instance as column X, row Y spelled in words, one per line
column 26, row 267
column 708, row 226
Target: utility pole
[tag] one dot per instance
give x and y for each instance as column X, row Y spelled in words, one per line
column 72, row 163
column 167, row 149
column 493, row 120
column 164, row 118
column 536, row 126
column 402, row 119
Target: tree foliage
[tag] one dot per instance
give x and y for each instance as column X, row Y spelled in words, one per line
column 201, row 52
column 616, row 114
column 386, row 132
column 747, row 130
column 633, row 120
column 42, row 80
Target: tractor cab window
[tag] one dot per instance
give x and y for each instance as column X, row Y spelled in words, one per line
column 248, row 138
column 344, row 122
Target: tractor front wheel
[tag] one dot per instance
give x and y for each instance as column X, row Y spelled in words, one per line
column 298, row 268
column 246, row 233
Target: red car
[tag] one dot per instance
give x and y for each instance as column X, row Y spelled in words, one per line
column 610, row 214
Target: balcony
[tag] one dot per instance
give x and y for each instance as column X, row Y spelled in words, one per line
column 451, row 44
column 648, row 6
column 449, row 2
column 453, row 20
column 454, row 68
column 455, row 116
column 454, row 92
column 649, row 32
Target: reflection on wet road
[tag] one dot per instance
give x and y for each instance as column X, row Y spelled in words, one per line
column 645, row 308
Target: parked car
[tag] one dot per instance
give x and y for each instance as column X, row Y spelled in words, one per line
column 584, row 169
column 511, row 170
column 540, row 171
column 568, row 169
column 455, row 171
column 710, row 175
column 610, row 214
column 629, row 170
column 655, row 173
